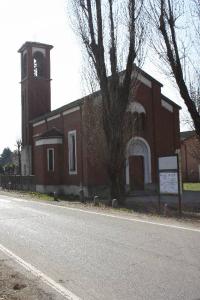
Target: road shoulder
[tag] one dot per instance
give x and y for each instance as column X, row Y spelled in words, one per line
column 19, row 284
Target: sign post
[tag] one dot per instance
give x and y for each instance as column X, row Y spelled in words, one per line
column 169, row 178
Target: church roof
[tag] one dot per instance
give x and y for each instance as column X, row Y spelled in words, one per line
column 81, row 101
column 53, row 132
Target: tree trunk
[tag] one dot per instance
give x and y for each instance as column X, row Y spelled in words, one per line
column 117, row 190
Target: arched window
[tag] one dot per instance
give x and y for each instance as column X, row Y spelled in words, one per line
column 38, row 64
column 136, row 107
column 142, row 118
column 136, row 121
column 139, row 122
column 24, row 65
column 138, row 116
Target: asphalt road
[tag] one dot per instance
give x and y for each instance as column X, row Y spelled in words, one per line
column 100, row 257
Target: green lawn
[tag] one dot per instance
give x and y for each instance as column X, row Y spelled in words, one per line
column 191, row 186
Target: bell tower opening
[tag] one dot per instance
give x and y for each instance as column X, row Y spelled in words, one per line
column 38, row 64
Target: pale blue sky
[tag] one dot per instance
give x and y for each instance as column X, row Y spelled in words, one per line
column 43, row 21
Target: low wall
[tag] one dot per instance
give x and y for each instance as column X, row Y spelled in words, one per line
column 18, row 182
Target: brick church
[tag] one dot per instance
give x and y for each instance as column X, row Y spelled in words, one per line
column 61, row 147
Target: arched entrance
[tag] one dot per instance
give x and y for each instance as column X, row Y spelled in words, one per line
column 138, row 164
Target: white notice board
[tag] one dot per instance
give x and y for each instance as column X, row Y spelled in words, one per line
column 168, row 183
column 168, row 163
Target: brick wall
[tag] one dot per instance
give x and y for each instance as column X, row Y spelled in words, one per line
column 161, row 133
column 190, row 157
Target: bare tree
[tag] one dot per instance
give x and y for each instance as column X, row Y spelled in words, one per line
column 196, row 15
column 194, row 149
column 112, row 32
column 19, row 146
column 178, row 46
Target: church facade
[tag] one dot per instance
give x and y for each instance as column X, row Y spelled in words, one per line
column 63, row 148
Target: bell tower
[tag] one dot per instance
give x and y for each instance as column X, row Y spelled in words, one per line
column 35, row 92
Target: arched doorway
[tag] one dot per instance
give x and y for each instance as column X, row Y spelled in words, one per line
column 138, row 164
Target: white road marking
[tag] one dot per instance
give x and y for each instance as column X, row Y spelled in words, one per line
column 5, row 204
column 110, row 215
column 7, row 201
column 44, row 278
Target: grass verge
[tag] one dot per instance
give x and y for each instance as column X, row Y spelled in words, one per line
column 188, row 186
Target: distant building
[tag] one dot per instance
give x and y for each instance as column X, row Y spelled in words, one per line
column 190, row 156
column 61, row 147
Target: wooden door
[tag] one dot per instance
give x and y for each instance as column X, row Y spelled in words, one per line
column 136, row 172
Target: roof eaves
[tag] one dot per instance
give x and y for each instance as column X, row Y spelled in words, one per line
column 170, row 101
column 150, row 77
column 34, row 44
